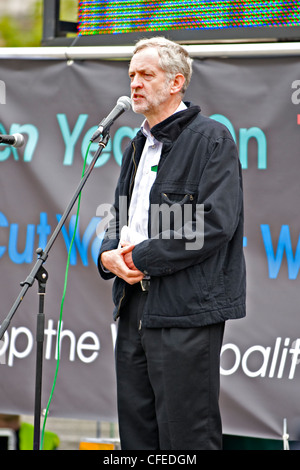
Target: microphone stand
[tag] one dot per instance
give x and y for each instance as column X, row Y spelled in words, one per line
column 40, row 274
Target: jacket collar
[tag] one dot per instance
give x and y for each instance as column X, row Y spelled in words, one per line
column 168, row 130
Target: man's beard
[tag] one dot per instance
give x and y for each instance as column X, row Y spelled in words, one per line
column 147, row 105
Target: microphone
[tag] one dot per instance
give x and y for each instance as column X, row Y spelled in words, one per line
column 123, row 104
column 16, row 140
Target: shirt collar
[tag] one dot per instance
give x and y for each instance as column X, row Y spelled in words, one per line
column 145, row 128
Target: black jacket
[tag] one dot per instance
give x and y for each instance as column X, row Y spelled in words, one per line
column 193, row 282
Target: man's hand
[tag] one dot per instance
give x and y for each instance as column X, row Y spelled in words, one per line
column 120, row 263
column 127, row 254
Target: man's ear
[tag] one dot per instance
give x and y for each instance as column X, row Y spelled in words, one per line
column 178, row 82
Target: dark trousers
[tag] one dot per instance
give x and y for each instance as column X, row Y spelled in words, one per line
column 167, row 383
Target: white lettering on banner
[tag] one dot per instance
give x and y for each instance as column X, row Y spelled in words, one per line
column 2, row 92
column 2, row 355
column 279, row 358
column 10, row 346
column 296, row 94
column 257, row 361
column 20, row 342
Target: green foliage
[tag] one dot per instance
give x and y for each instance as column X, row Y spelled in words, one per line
column 27, row 30
column 22, row 31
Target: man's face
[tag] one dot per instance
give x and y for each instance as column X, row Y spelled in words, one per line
column 149, row 85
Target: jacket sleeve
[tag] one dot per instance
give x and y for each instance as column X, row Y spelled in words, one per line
column 220, row 198
column 111, row 236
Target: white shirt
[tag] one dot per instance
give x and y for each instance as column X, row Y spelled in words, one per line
column 137, row 229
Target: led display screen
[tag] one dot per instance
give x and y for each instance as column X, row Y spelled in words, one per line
column 192, row 19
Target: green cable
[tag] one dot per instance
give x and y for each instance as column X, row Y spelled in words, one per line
column 62, row 304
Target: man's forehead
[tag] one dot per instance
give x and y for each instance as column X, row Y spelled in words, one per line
column 146, row 57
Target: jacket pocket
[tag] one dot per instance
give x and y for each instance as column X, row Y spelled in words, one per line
column 177, row 198
column 174, row 210
column 211, row 280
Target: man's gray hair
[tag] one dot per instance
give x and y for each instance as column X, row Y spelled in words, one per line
column 173, row 57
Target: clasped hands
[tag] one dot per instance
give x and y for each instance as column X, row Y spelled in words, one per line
column 120, row 263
